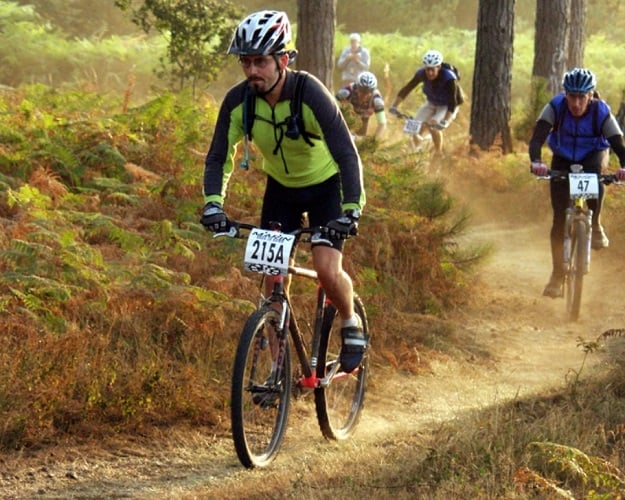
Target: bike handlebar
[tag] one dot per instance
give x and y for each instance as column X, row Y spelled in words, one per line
column 402, row 115
column 606, row 179
column 236, row 227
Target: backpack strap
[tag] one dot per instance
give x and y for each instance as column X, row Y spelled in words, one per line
column 596, row 127
column 249, row 109
column 297, row 107
column 249, row 112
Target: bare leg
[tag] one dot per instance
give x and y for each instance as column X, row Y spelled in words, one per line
column 339, row 289
column 437, row 139
column 337, row 284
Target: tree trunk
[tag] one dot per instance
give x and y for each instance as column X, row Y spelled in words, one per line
column 577, row 36
column 316, row 25
column 551, row 42
column 492, row 77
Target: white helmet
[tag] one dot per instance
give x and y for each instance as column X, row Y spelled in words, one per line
column 263, row 33
column 367, row 80
column 432, row 58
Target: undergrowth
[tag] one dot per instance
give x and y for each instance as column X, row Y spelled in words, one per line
column 119, row 311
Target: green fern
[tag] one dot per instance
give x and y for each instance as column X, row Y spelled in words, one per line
column 28, row 196
column 572, row 465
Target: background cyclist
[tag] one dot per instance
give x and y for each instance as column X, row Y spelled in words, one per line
column 440, row 88
column 322, row 179
column 366, row 100
column 579, row 128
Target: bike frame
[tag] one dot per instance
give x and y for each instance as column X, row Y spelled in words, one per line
column 288, row 322
column 577, row 211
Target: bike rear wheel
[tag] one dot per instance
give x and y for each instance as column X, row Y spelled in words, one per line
column 339, row 404
column 259, row 401
column 575, row 276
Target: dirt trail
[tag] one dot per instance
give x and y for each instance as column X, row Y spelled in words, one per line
column 530, row 347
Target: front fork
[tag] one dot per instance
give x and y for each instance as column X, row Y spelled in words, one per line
column 573, row 213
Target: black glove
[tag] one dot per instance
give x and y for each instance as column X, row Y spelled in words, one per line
column 345, row 226
column 393, row 110
column 214, row 219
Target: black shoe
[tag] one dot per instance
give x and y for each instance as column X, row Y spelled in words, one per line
column 599, row 239
column 554, row 287
column 353, row 348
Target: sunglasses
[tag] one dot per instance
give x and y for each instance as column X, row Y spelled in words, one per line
column 260, row 62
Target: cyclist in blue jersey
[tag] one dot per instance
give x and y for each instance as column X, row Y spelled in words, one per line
column 440, row 86
column 579, row 128
column 311, row 162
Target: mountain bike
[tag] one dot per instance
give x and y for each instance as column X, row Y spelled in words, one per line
column 264, row 376
column 578, row 231
column 412, row 128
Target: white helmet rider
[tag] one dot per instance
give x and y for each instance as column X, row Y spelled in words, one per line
column 432, row 58
column 262, row 33
column 367, row 81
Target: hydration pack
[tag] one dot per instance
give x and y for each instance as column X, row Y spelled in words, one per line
column 459, row 92
column 294, row 123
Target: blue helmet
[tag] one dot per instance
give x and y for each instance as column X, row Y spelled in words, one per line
column 579, row 81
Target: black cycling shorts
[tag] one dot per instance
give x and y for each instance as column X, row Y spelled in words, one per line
column 289, row 206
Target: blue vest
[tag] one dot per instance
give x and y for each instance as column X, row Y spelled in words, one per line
column 435, row 90
column 575, row 138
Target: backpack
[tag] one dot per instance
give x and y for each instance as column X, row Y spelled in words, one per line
column 451, row 67
column 459, row 92
column 294, row 123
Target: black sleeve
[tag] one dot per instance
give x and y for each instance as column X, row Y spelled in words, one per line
column 618, row 146
column 406, row 89
column 451, row 87
column 338, row 139
column 539, row 136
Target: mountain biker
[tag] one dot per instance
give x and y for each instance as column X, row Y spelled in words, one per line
column 440, row 88
column 322, row 179
column 579, row 128
column 366, row 100
column 353, row 60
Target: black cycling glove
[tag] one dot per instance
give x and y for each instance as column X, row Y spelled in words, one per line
column 214, row 218
column 345, row 226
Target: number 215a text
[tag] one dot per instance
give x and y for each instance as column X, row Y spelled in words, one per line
column 266, row 251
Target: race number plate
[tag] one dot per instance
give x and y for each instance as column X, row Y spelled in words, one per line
column 583, row 185
column 268, row 252
column 412, row 126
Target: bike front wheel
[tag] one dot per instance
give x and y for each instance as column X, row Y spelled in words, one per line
column 260, row 397
column 577, row 269
column 340, row 402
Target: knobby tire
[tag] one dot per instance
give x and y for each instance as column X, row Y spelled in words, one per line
column 575, row 277
column 259, row 411
column 339, row 405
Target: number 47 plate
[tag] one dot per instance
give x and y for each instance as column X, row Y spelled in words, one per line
column 268, row 252
column 583, row 185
